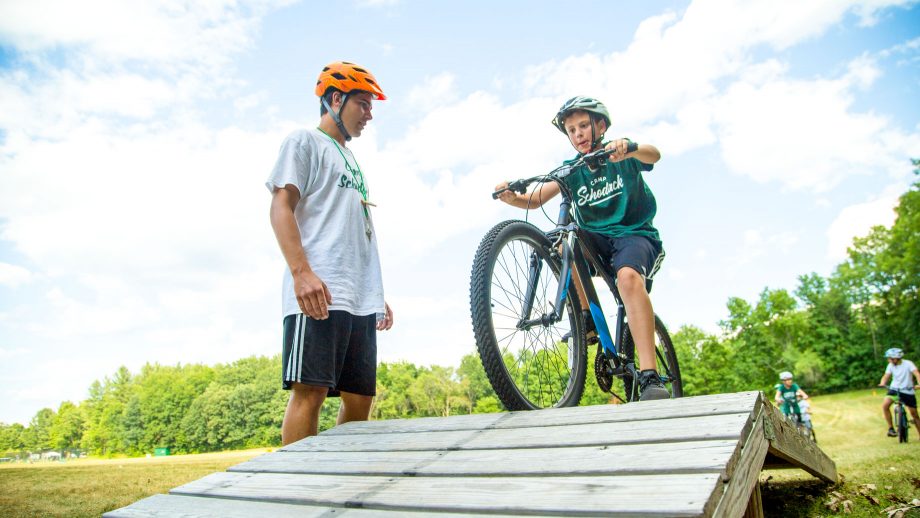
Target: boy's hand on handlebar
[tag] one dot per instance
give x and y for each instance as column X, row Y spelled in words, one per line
column 506, row 196
column 618, row 149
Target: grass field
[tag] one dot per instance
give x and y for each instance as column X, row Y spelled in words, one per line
column 872, row 466
column 90, row 487
column 849, row 428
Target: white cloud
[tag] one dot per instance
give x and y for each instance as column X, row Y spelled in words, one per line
column 857, row 220
column 13, row 275
column 433, row 92
column 810, row 132
column 693, row 81
column 136, row 30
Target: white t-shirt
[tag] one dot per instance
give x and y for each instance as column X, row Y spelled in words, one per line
column 332, row 222
column 805, row 409
column 901, row 375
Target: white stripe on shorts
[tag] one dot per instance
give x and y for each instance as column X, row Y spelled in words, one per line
column 657, row 265
column 289, row 373
column 301, row 331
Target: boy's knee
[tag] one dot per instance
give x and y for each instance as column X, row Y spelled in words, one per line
column 629, row 279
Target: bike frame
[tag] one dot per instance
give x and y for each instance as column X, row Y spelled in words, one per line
column 577, row 252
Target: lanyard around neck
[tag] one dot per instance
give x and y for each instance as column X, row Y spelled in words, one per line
column 356, row 173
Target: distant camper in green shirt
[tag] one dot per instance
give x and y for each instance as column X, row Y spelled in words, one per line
column 788, row 394
column 615, row 205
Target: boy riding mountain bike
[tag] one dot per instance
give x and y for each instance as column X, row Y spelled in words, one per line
column 899, row 372
column 788, row 395
column 615, row 205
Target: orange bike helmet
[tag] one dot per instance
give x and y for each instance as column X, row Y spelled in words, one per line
column 345, row 77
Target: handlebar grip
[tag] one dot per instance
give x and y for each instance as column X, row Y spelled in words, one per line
column 631, row 147
column 496, row 194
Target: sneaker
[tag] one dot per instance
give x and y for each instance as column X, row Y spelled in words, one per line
column 892, row 433
column 651, row 387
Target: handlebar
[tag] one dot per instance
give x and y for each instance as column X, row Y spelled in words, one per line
column 593, row 160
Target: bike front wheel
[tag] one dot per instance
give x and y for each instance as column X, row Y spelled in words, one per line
column 515, row 279
column 903, row 426
column 665, row 363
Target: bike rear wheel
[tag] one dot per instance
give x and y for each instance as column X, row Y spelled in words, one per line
column 529, row 367
column 666, row 362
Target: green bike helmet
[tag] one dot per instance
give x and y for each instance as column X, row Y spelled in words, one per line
column 588, row 104
column 595, row 109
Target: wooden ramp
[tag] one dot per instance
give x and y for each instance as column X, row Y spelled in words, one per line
column 697, row 456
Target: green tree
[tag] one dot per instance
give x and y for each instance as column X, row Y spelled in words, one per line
column 241, row 408
column 164, row 395
column 706, row 363
column 474, row 379
column 764, row 339
column 39, row 431
column 104, row 411
column 436, row 392
column 67, row 429
column 11, row 438
column 393, row 382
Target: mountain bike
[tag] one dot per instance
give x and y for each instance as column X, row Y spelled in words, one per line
column 527, row 316
column 802, row 427
column 796, row 419
column 901, row 421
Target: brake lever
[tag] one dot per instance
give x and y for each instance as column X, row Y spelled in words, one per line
column 519, row 186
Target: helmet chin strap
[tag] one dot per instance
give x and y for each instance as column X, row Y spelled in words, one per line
column 336, row 118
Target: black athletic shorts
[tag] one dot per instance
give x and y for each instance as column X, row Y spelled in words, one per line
column 909, row 400
column 642, row 254
column 339, row 352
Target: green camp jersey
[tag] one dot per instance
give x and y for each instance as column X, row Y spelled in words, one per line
column 790, row 398
column 614, row 200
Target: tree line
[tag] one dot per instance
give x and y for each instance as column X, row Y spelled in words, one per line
column 831, row 332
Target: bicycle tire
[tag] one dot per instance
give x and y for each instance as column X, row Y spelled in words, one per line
column 903, row 427
column 666, row 362
column 528, row 369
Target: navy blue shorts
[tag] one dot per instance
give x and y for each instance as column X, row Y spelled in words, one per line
column 909, row 400
column 642, row 254
column 339, row 352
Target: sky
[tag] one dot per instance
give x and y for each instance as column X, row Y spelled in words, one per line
column 136, row 137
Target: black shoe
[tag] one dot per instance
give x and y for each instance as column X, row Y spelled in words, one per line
column 590, row 329
column 651, row 387
column 892, row 433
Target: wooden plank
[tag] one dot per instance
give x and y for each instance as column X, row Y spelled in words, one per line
column 677, row 457
column 788, row 444
column 172, row 506
column 755, row 504
column 646, row 410
column 742, row 480
column 639, row 495
column 709, row 427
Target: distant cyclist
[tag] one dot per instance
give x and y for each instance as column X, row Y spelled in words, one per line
column 788, row 395
column 898, row 372
column 805, row 408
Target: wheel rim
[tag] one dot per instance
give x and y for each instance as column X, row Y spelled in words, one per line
column 538, row 360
